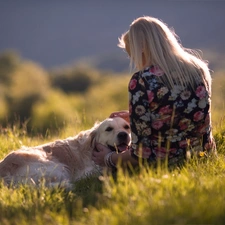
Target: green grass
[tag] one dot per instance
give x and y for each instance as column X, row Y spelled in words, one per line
column 194, row 194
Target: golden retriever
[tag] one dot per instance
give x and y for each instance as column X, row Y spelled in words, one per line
column 62, row 162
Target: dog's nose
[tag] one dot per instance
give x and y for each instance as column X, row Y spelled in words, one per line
column 122, row 136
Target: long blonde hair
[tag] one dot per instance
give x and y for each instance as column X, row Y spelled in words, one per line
column 151, row 38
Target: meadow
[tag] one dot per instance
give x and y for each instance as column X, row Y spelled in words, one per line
column 193, row 194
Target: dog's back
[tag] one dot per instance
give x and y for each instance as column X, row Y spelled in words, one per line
column 56, row 162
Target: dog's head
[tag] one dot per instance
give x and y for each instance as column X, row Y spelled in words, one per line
column 114, row 133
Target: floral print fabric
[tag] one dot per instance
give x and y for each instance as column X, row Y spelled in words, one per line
column 166, row 122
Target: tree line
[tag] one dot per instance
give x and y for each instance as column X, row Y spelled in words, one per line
column 48, row 100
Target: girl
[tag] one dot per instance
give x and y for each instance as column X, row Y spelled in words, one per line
column 169, row 99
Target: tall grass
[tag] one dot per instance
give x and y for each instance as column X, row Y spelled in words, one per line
column 194, row 194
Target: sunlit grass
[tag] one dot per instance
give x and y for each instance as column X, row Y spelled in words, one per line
column 194, row 194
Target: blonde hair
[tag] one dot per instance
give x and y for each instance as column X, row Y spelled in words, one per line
column 150, row 38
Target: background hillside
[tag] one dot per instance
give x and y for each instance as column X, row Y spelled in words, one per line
column 54, row 32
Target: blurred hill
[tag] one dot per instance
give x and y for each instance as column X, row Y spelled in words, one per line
column 56, row 33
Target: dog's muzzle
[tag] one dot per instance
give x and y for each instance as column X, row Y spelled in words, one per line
column 123, row 142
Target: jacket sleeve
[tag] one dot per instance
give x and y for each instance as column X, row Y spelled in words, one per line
column 140, row 117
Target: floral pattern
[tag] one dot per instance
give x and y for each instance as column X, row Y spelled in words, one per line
column 165, row 123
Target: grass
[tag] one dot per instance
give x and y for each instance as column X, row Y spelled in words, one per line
column 194, row 194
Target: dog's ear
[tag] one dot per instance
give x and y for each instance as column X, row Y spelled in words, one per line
column 94, row 134
column 93, row 138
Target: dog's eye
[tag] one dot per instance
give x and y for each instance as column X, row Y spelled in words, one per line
column 109, row 129
column 127, row 127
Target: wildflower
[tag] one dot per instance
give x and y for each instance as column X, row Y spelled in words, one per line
column 201, row 154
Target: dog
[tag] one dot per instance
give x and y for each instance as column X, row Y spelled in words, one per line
column 62, row 162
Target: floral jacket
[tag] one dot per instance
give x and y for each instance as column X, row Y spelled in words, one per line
column 167, row 123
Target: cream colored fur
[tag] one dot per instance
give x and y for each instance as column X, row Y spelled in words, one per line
column 64, row 161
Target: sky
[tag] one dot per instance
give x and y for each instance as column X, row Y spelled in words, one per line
column 58, row 32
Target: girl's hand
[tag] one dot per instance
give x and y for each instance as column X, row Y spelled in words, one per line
column 99, row 153
column 123, row 114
